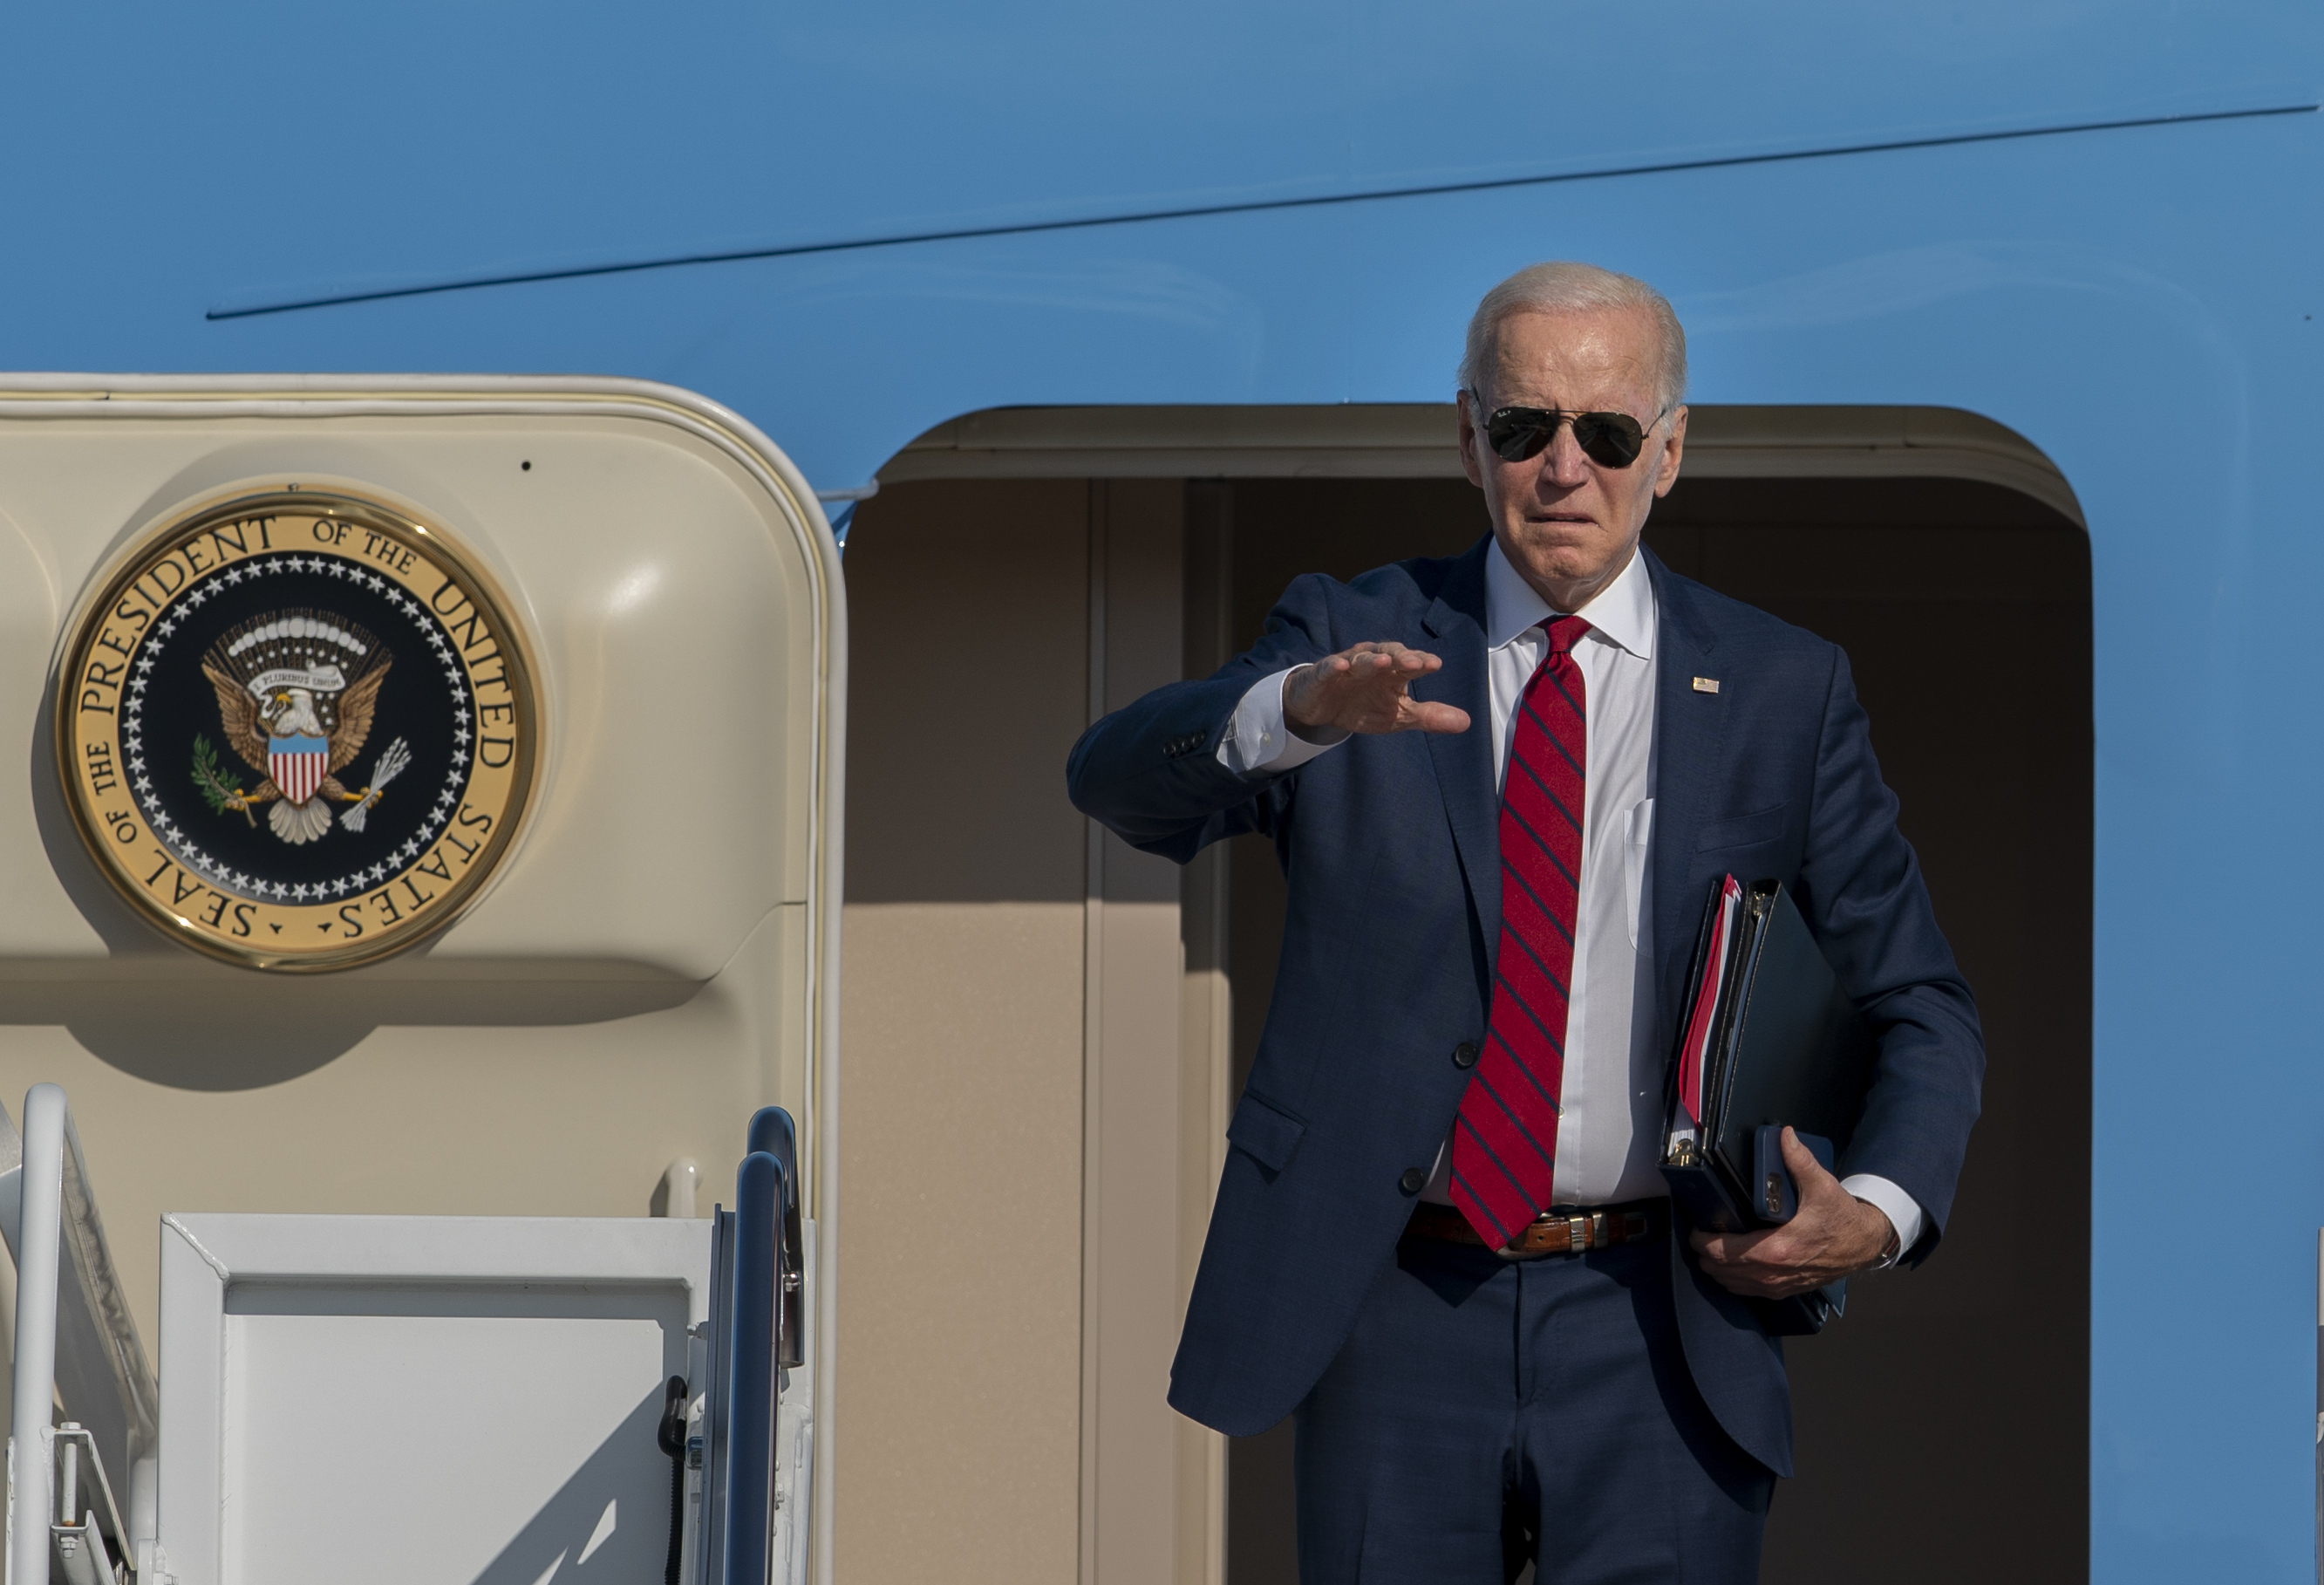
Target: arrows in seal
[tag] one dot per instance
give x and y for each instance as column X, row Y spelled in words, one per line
column 391, row 765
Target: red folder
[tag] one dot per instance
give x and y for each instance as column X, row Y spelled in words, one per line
column 1706, row 1011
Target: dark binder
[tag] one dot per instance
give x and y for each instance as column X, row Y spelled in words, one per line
column 1770, row 1039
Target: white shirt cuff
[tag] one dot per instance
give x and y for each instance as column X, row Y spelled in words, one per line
column 1259, row 739
column 1903, row 1212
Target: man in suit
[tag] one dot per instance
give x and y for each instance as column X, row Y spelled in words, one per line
column 1502, row 786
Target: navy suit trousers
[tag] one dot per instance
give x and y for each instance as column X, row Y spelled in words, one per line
column 1486, row 1412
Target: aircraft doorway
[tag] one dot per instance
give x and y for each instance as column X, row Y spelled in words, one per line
column 1051, row 1028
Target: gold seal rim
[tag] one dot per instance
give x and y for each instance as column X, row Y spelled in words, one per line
column 444, row 550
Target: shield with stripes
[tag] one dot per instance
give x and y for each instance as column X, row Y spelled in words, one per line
column 298, row 765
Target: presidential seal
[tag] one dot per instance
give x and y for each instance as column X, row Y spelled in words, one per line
column 298, row 730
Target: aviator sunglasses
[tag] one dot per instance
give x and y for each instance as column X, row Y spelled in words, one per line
column 1610, row 439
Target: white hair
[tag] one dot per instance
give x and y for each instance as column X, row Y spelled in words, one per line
column 1562, row 286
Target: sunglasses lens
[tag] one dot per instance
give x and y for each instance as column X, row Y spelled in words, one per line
column 1610, row 439
column 1516, row 434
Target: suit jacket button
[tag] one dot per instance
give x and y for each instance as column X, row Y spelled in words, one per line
column 1464, row 1055
column 1413, row 1182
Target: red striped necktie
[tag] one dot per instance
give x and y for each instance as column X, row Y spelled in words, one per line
column 1505, row 1143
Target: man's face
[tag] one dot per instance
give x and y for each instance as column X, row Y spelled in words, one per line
column 1568, row 524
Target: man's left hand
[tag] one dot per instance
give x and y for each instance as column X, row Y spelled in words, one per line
column 1835, row 1235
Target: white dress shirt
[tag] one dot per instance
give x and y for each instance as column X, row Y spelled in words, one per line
column 1609, row 1125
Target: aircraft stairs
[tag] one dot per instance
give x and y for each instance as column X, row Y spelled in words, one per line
column 476, row 1400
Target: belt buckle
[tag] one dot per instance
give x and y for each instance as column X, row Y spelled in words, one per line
column 1588, row 1230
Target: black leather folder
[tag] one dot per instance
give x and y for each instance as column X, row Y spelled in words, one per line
column 1774, row 1041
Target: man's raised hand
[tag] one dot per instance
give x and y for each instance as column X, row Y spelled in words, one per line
column 1367, row 689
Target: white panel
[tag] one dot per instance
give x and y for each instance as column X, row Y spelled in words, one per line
column 450, row 1446
column 468, row 1400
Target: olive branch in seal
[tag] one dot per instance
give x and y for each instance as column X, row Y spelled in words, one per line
column 213, row 790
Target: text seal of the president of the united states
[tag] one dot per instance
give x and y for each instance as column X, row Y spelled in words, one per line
column 297, row 730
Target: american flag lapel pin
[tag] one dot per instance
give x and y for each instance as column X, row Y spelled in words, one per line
column 1706, row 684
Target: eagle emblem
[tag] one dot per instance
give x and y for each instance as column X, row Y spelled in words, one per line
column 295, row 694
column 285, row 636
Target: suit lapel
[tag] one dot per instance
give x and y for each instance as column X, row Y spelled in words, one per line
column 1455, row 624
column 1689, row 733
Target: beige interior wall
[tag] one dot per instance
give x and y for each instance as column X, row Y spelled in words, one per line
column 959, row 1337
column 1028, row 1123
column 960, row 1282
column 1131, row 1297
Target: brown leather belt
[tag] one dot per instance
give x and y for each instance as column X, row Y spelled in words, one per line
column 1586, row 1228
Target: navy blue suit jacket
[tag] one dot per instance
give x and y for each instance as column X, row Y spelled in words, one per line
column 1391, row 847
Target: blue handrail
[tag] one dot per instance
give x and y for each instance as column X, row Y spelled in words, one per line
column 761, row 1189
column 772, row 1131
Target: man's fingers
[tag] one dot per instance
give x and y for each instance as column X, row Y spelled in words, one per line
column 1364, row 689
column 1376, row 661
column 1741, row 1264
column 1807, row 1172
column 1757, row 1266
column 1764, row 1287
column 1430, row 716
column 1729, row 1248
column 1389, row 653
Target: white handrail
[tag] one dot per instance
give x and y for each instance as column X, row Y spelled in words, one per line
column 66, row 1281
column 38, row 1226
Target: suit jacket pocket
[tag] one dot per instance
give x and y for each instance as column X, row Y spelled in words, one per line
column 1744, row 830
column 1267, row 1134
